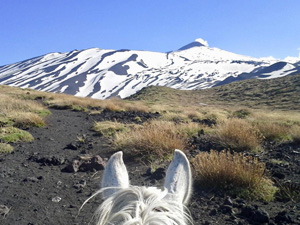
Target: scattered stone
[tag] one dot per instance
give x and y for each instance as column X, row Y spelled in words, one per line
column 213, row 212
column 81, row 184
column 226, row 209
column 255, row 214
column 56, row 199
column 228, row 201
column 73, row 167
column 4, row 210
column 94, row 164
column 32, row 179
column 73, row 146
column 158, row 174
column 283, row 217
column 48, row 160
column 278, row 175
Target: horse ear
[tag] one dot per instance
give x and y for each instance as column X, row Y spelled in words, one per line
column 179, row 178
column 115, row 175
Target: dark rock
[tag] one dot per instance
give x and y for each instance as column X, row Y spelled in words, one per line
column 81, row 184
column 94, row 164
column 255, row 214
column 48, row 160
column 226, row 209
column 73, row 146
column 228, row 201
column 283, row 217
column 158, row 174
column 213, row 212
column 73, row 167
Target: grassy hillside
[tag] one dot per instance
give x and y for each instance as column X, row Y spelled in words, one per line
column 281, row 93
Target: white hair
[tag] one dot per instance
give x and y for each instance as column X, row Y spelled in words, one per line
column 133, row 205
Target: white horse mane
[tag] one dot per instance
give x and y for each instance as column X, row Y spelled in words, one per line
column 132, row 205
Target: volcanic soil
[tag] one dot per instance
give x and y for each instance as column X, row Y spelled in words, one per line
column 38, row 185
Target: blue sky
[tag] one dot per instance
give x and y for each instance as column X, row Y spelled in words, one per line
column 257, row 28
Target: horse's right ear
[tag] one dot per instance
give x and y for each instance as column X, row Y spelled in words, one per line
column 115, row 175
column 178, row 179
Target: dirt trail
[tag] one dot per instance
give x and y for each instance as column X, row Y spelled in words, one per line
column 39, row 193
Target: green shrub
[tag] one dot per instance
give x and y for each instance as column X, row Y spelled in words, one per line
column 12, row 134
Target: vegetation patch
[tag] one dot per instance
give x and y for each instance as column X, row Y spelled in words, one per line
column 295, row 134
column 273, row 131
column 233, row 173
column 238, row 135
column 154, row 140
column 28, row 119
column 13, row 134
column 108, row 128
column 6, row 148
column 241, row 114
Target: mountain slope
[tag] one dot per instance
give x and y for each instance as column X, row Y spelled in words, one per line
column 279, row 93
column 100, row 73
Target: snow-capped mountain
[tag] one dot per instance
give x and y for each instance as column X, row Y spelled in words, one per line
column 100, row 73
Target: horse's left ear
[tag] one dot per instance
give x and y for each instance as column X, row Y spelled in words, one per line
column 115, row 175
column 179, row 178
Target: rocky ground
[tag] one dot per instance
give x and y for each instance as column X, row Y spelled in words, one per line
column 46, row 181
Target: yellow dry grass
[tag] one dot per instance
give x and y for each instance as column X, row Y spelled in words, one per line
column 238, row 135
column 109, row 128
column 157, row 139
column 234, row 173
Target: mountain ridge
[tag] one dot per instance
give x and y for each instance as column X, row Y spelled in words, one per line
column 106, row 73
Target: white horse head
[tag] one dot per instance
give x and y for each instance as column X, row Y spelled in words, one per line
column 132, row 205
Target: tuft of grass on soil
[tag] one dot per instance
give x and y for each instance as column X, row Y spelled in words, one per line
column 295, row 134
column 233, row 173
column 273, row 131
column 108, row 128
column 288, row 191
column 154, row 140
column 6, row 148
column 13, row 134
column 28, row 119
column 238, row 135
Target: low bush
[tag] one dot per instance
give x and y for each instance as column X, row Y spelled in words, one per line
column 28, row 119
column 108, row 128
column 233, row 173
column 13, row 134
column 5, row 148
column 241, row 113
column 154, row 140
column 273, row 131
column 238, row 135
column 295, row 134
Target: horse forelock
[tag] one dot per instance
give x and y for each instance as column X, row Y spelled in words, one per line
column 141, row 206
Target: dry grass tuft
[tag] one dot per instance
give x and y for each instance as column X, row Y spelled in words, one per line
column 233, row 173
column 238, row 135
column 108, row 128
column 13, row 134
column 295, row 134
column 273, row 131
column 28, row 119
column 155, row 139
column 5, row 148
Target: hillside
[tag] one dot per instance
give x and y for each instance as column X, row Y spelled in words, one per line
column 106, row 73
column 279, row 93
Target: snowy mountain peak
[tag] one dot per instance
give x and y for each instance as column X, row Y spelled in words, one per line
column 197, row 43
column 106, row 73
column 202, row 42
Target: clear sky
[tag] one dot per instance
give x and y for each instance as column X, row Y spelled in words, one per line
column 257, row 28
